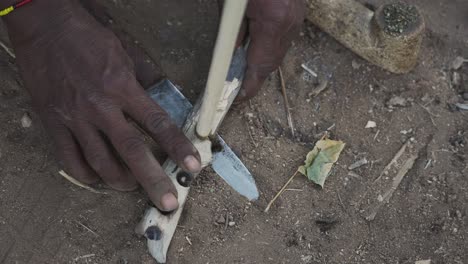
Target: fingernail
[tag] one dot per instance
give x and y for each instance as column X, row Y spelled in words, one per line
column 192, row 164
column 169, row 202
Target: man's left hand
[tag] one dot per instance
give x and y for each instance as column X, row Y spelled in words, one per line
column 271, row 26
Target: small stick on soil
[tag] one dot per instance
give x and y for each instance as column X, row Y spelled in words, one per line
column 251, row 137
column 280, row 192
column 376, row 134
column 227, row 221
column 307, row 69
column 428, row 164
column 294, row 190
column 430, row 114
column 396, row 182
column 286, row 101
column 77, row 183
column 342, row 205
column 395, row 158
column 87, row 228
column 84, row 257
column 7, row 50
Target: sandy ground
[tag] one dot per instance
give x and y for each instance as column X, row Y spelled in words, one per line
column 45, row 219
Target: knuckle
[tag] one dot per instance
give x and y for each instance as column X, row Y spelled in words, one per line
column 283, row 13
column 157, row 121
column 131, row 146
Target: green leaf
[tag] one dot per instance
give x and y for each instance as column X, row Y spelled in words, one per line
column 321, row 159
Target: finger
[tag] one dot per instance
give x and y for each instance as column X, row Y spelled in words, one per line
column 241, row 37
column 102, row 160
column 160, row 127
column 271, row 29
column 70, row 155
column 131, row 147
column 264, row 55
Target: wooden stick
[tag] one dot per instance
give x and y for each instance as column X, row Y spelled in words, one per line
column 286, row 101
column 7, row 49
column 77, row 183
column 396, row 182
column 87, row 228
column 394, row 160
column 233, row 14
column 280, row 192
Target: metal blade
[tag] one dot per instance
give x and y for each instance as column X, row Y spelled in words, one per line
column 233, row 171
column 166, row 95
column 225, row 163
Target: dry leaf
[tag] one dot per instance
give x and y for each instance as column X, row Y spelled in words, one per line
column 321, row 159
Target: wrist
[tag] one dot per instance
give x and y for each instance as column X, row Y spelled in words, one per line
column 37, row 18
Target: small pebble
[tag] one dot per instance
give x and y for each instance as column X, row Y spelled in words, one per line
column 458, row 63
column 397, row 101
column 26, row 121
column 371, row 124
column 380, row 198
column 355, row 65
column 232, row 223
column 221, row 220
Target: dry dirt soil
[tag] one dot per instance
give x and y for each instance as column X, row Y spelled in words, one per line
column 45, row 219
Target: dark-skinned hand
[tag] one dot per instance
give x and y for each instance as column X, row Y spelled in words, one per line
column 83, row 86
column 271, row 26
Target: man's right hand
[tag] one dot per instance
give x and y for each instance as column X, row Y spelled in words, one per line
column 83, row 87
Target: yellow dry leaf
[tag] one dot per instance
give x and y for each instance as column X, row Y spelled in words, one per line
column 321, row 159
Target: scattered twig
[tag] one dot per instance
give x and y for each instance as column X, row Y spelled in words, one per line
column 428, row 164
column 354, row 175
column 294, row 190
column 358, row 164
column 7, row 49
column 341, row 201
column 430, row 113
column 376, row 134
column 188, row 239
column 252, row 138
column 394, row 160
column 227, row 221
column 342, row 205
column 84, row 257
column 87, row 228
column 396, row 182
column 280, row 192
column 77, row 183
column 307, row 69
column 374, row 162
column 331, row 127
column 286, row 102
